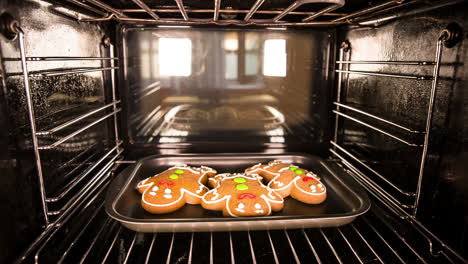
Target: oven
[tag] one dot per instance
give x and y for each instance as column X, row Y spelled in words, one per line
column 375, row 89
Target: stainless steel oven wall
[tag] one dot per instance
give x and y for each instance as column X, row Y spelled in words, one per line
column 56, row 99
column 187, row 88
column 404, row 100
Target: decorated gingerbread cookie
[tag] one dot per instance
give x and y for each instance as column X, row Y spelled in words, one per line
column 241, row 195
column 171, row 189
column 288, row 179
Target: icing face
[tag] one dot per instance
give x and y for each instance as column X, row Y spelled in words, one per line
column 242, row 195
column 246, row 195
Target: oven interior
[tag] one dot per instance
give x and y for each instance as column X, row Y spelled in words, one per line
column 90, row 87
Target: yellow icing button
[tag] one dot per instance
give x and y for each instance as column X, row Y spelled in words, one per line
column 242, row 187
column 179, row 171
column 239, row 180
column 174, row 176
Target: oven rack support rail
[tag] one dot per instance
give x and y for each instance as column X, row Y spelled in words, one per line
column 69, row 195
column 366, row 16
column 343, row 73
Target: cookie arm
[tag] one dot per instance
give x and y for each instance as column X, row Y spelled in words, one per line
column 213, row 200
column 276, row 201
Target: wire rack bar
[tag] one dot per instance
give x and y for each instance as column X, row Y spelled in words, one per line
column 32, row 122
column 376, row 117
column 191, row 248
column 430, row 111
column 100, row 177
column 296, row 4
column 146, row 8
column 253, row 9
column 81, row 177
column 217, row 6
column 169, row 253
column 58, row 72
column 114, row 95
column 393, row 75
column 415, row 252
column 331, row 246
column 367, row 243
column 181, row 7
column 376, row 129
column 312, row 248
column 67, row 137
column 180, row 22
column 383, row 240
column 75, row 120
column 350, row 246
column 334, row 5
column 252, row 251
column 417, row 63
column 150, row 249
column 107, row 7
column 99, row 233
column 368, row 10
column 109, row 250
column 338, row 92
column 62, row 219
column 83, row 229
column 363, row 179
column 293, row 250
column 129, row 251
column 230, row 11
column 273, row 250
column 87, row 7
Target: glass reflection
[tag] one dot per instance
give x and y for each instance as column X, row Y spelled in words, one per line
column 274, row 57
column 175, row 57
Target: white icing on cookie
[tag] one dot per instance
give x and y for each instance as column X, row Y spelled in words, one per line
column 167, row 196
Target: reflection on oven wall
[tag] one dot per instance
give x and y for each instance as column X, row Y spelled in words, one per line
column 405, row 102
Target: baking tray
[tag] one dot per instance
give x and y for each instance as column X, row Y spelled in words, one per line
column 345, row 198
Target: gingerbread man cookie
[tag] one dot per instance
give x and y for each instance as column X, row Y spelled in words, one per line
column 171, row 189
column 241, row 195
column 288, row 179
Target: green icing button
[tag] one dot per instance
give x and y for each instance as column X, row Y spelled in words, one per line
column 179, row 171
column 174, row 176
column 239, row 180
column 242, row 187
column 299, row 171
column 292, row 168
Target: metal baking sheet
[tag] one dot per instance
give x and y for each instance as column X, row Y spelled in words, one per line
column 345, row 201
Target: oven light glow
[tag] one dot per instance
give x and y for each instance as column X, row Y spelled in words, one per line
column 274, row 57
column 175, row 56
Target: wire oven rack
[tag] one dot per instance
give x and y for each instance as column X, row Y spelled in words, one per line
column 292, row 14
column 89, row 235
column 348, row 158
column 69, row 195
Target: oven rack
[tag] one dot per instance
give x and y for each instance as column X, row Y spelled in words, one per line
column 62, row 202
column 88, row 234
column 349, row 158
column 284, row 16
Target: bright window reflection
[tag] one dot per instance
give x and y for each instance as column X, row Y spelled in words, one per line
column 175, row 57
column 274, row 58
